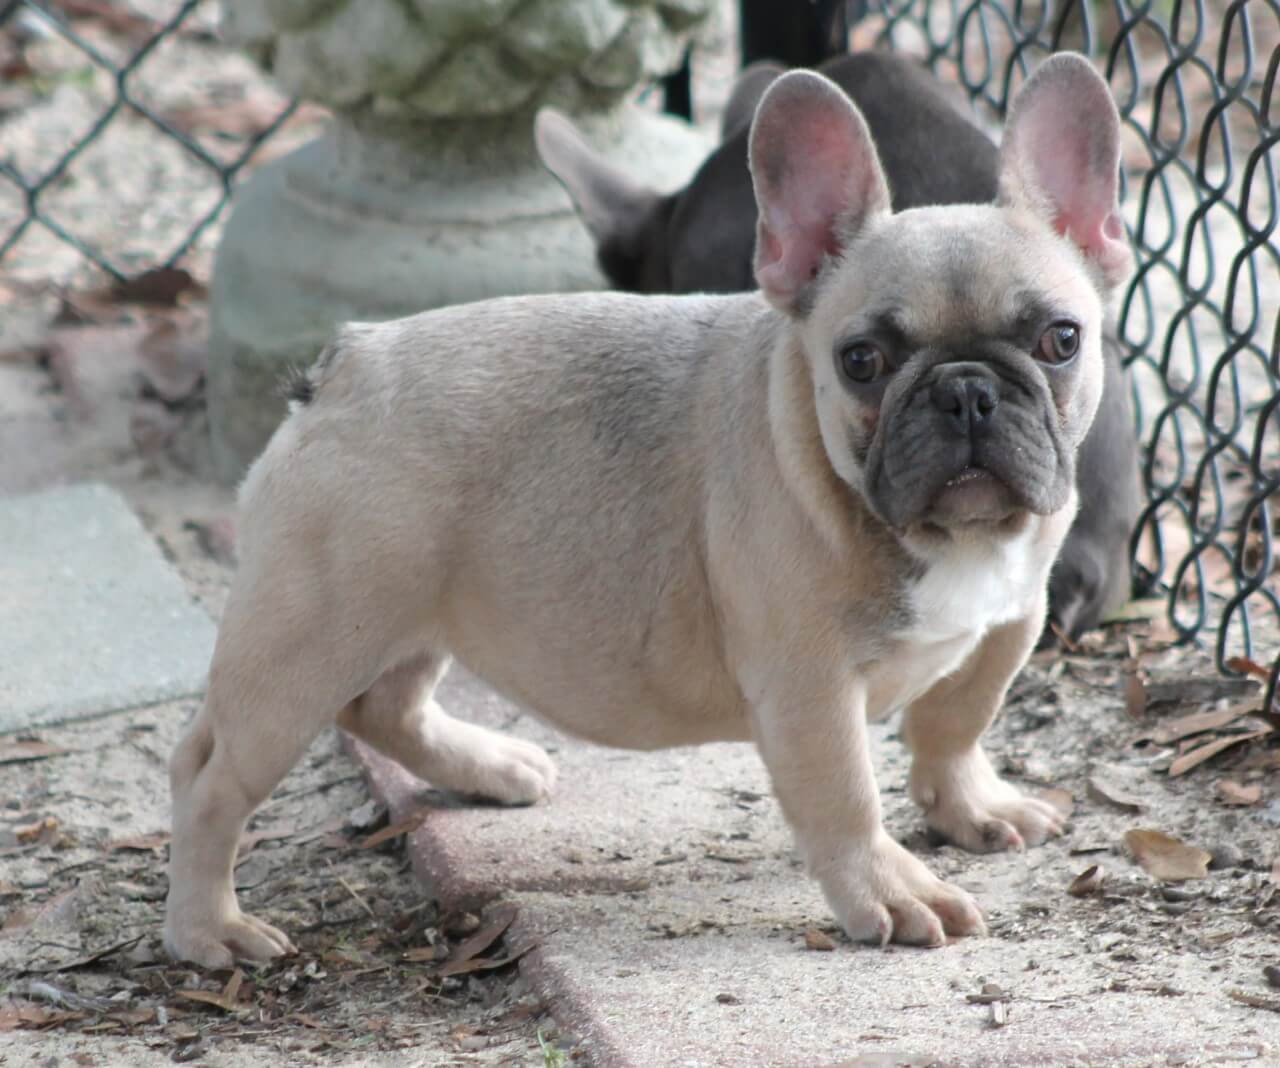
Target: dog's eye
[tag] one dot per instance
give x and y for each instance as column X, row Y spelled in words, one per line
column 1059, row 344
column 861, row 362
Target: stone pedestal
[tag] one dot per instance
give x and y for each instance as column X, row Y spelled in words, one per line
column 427, row 190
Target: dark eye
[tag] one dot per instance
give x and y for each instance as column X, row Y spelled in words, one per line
column 861, row 362
column 1059, row 344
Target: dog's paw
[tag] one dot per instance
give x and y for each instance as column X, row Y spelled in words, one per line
column 221, row 942
column 514, row 772
column 883, row 894
column 969, row 804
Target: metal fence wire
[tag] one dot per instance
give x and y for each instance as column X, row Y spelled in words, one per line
column 1196, row 84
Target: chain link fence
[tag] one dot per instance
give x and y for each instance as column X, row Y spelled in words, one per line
column 1196, row 82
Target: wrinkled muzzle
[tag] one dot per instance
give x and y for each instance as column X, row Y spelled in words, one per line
column 967, row 443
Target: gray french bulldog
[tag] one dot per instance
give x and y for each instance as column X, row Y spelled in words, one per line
column 660, row 521
column 700, row 239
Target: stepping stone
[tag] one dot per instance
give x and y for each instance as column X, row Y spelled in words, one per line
column 93, row 619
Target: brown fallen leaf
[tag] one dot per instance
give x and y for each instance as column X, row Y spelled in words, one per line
column 225, row 999
column 1063, row 800
column 38, row 832
column 310, row 1021
column 817, row 940
column 31, row 749
column 1197, row 756
column 116, row 19
column 250, row 840
column 142, row 843
column 160, row 285
column 1231, row 792
column 418, row 954
column 501, row 919
column 1175, row 730
column 480, row 964
column 92, row 958
column 1102, row 786
column 1245, row 666
column 1254, row 1001
column 1198, row 690
column 395, row 830
column 27, row 1014
column 1088, row 881
column 1135, row 695
column 1165, row 858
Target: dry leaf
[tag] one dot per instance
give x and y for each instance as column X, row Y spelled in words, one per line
column 421, row 953
column 140, row 842
column 1231, row 792
column 1144, row 610
column 817, row 940
column 224, row 1000
column 1135, row 695
column 1088, row 881
column 1174, row 730
column 22, row 1014
column 94, row 957
column 1103, row 787
column 37, row 832
column 1245, row 666
column 252, row 839
column 482, row 939
column 115, row 18
column 1166, row 858
column 480, row 964
column 1197, row 756
column 161, row 285
column 17, row 752
column 395, row 830
column 1063, row 800
column 1198, row 690
column 1254, row 1001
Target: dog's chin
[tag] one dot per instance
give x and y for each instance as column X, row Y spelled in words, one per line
column 973, row 496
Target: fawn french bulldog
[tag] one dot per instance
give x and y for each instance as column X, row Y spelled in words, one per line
column 659, row 521
column 700, row 239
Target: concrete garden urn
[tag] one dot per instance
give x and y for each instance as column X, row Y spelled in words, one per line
column 426, row 189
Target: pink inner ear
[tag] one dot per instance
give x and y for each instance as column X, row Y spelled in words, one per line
column 1064, row 148
column 816, row 175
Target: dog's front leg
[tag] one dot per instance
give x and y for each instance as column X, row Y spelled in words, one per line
column 813, row 737
column 951, row 778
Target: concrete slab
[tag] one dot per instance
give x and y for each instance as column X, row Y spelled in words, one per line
column 669, row 912
column 92, row 617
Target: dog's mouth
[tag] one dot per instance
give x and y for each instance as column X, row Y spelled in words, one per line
column 973, row 495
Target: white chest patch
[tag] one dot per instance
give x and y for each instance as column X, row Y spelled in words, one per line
column 974, row 586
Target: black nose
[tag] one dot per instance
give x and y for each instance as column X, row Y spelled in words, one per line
column 967, row 399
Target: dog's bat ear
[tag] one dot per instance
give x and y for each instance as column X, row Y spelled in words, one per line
column 746, row 94
column 613, row 206
column 818, row 181
column 1060, row 159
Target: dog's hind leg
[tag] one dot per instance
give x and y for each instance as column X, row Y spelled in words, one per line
column 398, row 716
column 281, row 673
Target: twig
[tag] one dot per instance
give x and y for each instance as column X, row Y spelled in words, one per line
column 358, row 899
